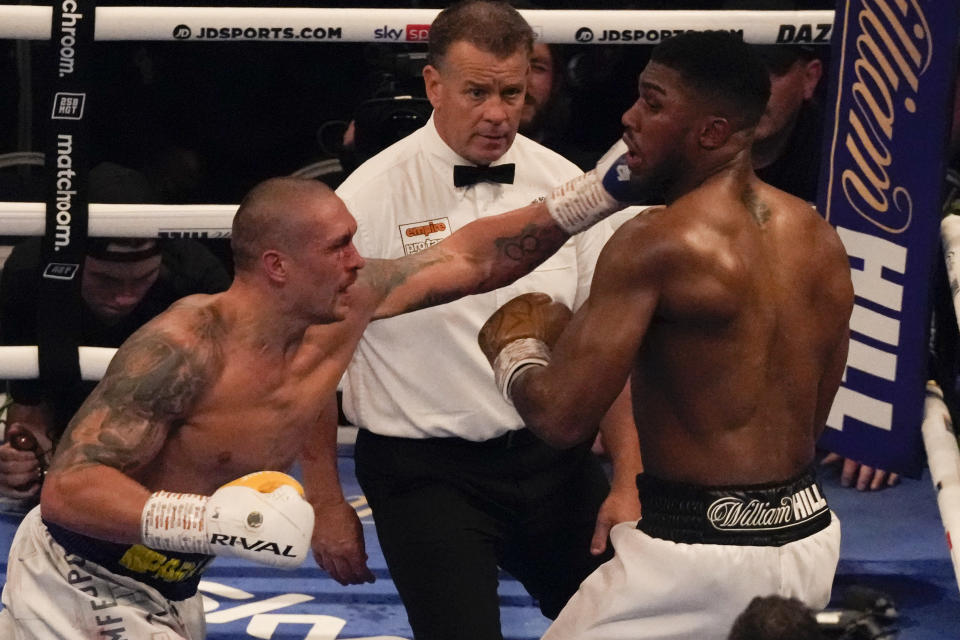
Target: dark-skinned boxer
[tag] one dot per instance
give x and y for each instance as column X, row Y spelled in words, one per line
column 729, row 311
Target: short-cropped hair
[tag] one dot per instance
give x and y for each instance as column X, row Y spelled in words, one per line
column 722, row 68
column 489, row 25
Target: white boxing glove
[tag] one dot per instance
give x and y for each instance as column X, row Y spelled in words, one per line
column 580, row 203
column 261, row 517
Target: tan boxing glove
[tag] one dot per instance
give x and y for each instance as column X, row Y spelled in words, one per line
column 520, row 334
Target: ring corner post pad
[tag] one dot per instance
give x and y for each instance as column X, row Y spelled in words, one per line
column 65, row 234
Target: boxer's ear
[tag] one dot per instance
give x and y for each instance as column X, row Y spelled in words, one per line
column 274, row 265
column 714, row 132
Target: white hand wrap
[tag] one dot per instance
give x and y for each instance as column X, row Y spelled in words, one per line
column 174, row 521
column 587, row 199
column 269, row 528
column 515, row 357
column 578, row 204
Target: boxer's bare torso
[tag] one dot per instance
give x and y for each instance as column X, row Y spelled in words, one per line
column 201, row 395
column 253, row 405
column 224, row 385
column 748, row 337
column 727, row 310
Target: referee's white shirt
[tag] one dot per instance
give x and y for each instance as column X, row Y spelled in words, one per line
column 422, row 374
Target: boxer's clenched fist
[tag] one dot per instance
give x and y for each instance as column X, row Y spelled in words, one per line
column 261, row 517
column 520, row 334
column 582, row 202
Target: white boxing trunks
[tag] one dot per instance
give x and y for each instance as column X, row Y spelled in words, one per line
column 700, row 555
column 52, row 593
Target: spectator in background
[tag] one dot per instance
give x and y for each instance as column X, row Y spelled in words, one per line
column 786, row 147
column 457, row 486
column 125, row 283
column 543, row 86
column 786, row 150
column 546, row 107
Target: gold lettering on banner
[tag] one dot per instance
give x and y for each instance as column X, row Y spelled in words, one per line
column 893, row 51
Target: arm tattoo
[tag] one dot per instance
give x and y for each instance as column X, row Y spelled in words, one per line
column 386, row 275
column 504, row 260
column 533, row 245
column 514, row 256
column 151, row 384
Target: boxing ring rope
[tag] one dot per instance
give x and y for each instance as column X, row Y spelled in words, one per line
column 127, row 220
column 360, row 25
column 22, row 362
column 250, row 24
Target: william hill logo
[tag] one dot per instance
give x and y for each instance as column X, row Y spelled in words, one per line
column 886, row 80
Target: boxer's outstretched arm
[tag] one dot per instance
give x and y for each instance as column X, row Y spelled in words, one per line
column 486, row 254
column 492, row 252
column 151, row 383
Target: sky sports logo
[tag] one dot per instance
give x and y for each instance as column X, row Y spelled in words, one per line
column 414, row 33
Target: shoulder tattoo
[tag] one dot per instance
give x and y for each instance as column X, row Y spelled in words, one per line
column 150, row 386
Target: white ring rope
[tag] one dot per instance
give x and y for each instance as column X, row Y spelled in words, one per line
column 22, row 363
column 128, row 220
column 943, row 458
column 361, row 25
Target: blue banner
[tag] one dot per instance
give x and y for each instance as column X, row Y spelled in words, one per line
column 891, row 88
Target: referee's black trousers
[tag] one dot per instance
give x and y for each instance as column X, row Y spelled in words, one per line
column 449, row 512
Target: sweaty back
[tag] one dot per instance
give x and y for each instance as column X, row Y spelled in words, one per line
column 741, row 356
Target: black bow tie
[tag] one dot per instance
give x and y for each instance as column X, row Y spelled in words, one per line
column 466, row 175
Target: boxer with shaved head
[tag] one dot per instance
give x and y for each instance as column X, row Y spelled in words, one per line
column 177, row 455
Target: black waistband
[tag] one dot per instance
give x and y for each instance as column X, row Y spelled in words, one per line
column 753, row 515
column 174, row 575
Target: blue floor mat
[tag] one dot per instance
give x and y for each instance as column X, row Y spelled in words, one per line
column 892, row 541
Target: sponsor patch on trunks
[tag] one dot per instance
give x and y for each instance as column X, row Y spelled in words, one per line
column 741, row 513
